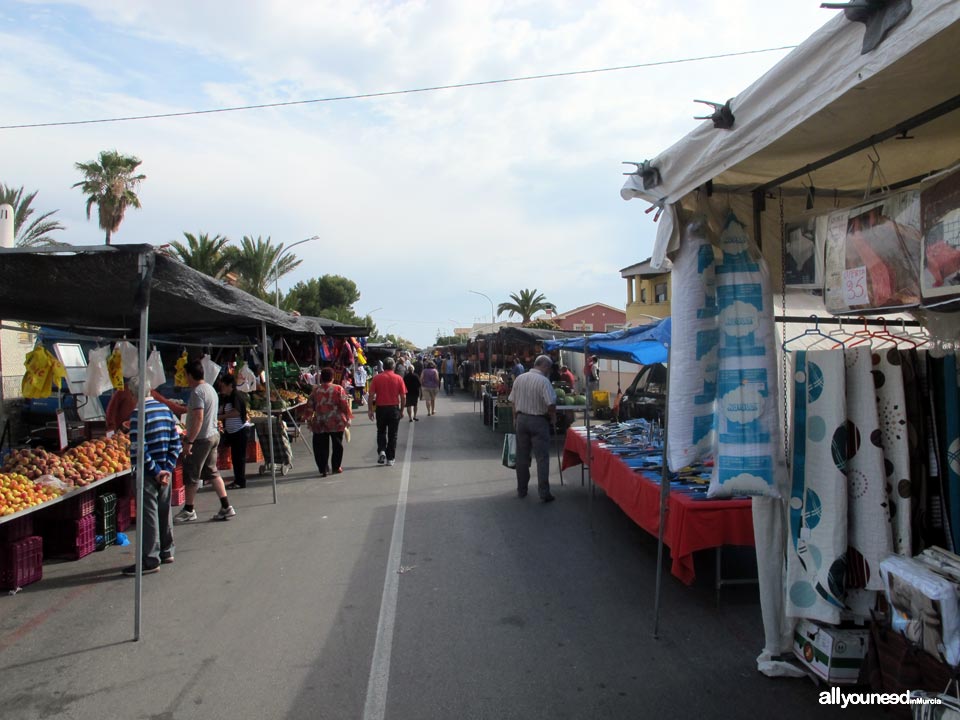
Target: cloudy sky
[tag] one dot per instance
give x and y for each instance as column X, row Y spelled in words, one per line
column 418, row 198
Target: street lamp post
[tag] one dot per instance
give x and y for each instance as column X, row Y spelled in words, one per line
column 276, row 265
column 493, row 317
column 493, row 321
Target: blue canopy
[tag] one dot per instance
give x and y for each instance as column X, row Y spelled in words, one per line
column 642, row 345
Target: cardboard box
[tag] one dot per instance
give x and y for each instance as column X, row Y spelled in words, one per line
column 832, row 654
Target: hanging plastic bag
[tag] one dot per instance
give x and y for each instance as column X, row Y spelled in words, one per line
column 180, row 374
column 43, row 372
column 97, row 379
column 509, row 457
column 115, row 369
column 346, row 434
column 131, row 358
column 246, row 380
column 155, row 374
column 211, row 371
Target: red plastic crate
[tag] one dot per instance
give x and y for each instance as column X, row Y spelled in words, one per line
column 72, row 538
column 178, row 476
column 21, row 562
column 254, row 451
column 123, row 513
column 178, row 496
column 76, row 507
column 224, row 459
column 16, row 529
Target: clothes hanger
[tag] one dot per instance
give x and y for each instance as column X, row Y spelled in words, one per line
column 860, row 336
column 815, row 331
column 902, row 338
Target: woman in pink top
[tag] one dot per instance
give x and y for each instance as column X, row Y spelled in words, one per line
column 430, row 386
column 332, row 414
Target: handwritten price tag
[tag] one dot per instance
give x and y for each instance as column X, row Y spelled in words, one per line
column 855, row 286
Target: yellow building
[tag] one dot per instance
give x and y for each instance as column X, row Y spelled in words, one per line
column 648, row 292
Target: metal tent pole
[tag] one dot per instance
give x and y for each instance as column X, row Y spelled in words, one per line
column 266, row 371
column 586, row 422
column 664, row 498
column 141, row 435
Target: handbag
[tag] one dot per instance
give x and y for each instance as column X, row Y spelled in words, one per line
column 509, row 457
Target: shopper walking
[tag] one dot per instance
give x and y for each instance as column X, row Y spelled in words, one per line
column 161, row 448
column 233, row 415
column 412, row 382
column 331, row 414
column 200, row 447
column 449, row 373
column 591, row 375
column 430, row 386
column 388, row 395
column 534, row 414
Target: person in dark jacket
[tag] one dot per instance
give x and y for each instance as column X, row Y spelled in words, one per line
column 233, row 415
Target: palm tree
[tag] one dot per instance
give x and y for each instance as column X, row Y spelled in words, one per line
column 110, row 184
column 525, row 304
column 207, row 254
column 260, row 263
column 36, row 231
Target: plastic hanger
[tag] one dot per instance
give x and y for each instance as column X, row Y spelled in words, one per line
column 815, row 331
column 861, row 336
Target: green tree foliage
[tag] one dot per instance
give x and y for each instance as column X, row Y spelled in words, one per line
column 330, row 296
column 525, row 304
column 542, row 324
column 110, row 183
column 204, row 253
column 450, row 340
column 27, row 232
column 260, row 263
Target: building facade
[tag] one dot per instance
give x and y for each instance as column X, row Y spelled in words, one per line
column 648, row 292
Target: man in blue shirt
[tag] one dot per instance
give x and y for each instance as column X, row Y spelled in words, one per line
column 518, row 368
column 160, row 452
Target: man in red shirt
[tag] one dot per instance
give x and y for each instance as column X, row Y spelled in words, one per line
column 388, row 395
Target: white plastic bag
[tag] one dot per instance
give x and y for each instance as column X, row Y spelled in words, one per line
column 155, row 374
column 97, row 380
column 130, row 356
column 246, row 380
column 509, row 456
column 211, row 371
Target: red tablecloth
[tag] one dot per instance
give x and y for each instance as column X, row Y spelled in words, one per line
column 691, row 524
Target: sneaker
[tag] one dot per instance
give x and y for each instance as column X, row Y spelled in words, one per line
column 225, row 513
column 168, row 560
column 185, row 516
column 147, row 570
column 382, row 458
column 391, row 462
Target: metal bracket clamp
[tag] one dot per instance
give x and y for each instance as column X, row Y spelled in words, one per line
column 722, row 116
column 878, row 16
column 647, row 172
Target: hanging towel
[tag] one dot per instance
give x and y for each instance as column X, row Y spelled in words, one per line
column 817, row 546
column 869, row 536
column 916, row 444
column 747, row 419
column 947, row 417
column 693, row 375
column 892, row 414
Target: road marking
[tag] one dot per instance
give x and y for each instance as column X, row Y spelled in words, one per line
column 375, row 706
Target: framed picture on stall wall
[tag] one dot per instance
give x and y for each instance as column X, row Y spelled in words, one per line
column 940, row 278
column 803, row 260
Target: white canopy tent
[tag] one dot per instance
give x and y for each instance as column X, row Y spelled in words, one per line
column 821, row 117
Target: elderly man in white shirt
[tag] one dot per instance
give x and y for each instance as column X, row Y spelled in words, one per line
column 534, row 414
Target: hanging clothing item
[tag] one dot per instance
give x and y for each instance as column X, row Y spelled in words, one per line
column 892, row 414
column 943, row 385
column 746, row 461
column 869, row 536
column 920, row 528
column 817, row 545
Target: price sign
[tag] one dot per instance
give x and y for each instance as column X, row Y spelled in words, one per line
column 62, row 429
column 855, row 286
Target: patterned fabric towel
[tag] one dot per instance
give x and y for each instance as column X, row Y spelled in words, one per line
column 891, row 410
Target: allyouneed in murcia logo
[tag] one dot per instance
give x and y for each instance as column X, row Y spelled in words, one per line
column 835, row 697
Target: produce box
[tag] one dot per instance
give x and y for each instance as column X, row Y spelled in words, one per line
column 21, row 562
column 178, row 496
column 71, row 538
column 178, row 475
column 832, row 654
column 224, row 461
column 106, row 515
column 79, row 505
column 16, row 529
column 123, row 514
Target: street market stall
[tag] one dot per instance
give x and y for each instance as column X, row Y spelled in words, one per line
column 831, row 166
column 129, row 290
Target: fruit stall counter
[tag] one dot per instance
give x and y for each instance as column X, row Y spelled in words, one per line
column 70, row 495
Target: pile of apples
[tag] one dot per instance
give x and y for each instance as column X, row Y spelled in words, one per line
column 79, row 466
column 18, row 492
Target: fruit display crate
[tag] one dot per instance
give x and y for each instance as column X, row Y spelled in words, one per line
column 70, row 538
column 21, row 562
column 178, row 496
column 16, row 529
column 123, row 514
column 77, row 505
column 178, row 476
column 106, row 528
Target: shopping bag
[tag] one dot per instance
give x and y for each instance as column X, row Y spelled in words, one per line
column 131, row 358
column 155, row 374
column 97, row 379
column 115, row 368
column 346, row 434
column 180, row 374
column 509, row 457
column 246, row 380
column 211, row 371
column 42, row 372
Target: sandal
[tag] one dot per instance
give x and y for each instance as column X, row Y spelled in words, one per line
column 234, row 486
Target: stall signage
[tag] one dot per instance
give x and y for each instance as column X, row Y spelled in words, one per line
column 855, row 286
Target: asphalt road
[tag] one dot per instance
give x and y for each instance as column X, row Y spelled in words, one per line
column 495, row 607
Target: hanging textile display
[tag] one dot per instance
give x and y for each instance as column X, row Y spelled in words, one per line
column 920, row 530
column 892, row 414
column 943, row 385
column 817, row 544
column 869, row 538
column 695, row 341
column 746, row 423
